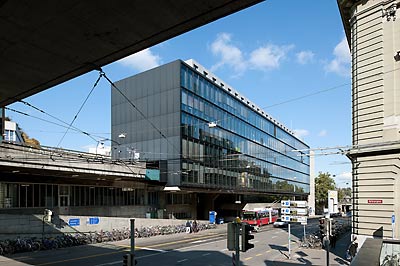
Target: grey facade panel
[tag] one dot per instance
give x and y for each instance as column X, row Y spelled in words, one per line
column 152, row 92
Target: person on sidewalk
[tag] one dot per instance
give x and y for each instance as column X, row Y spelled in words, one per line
column 352, row 249
column 194, row 226
column 333, row 240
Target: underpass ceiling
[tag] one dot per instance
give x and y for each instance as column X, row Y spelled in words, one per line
column 44, row 43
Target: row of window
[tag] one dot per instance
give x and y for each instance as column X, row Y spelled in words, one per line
column 201, row 108
column 196, row 174
column 230, row 143
column 52, row 195
column 210, row 91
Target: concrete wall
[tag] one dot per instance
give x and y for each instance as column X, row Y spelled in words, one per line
column 375, row 39
column 12, row 226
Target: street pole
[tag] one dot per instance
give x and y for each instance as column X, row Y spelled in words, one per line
column 237, row 233
column 132, row 251
column 327, row 242
column 289, row 238
column 304, row 231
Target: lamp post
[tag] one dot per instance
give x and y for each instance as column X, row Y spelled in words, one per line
column 294, row 188
column 98, row 143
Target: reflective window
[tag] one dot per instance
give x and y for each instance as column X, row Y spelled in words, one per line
column 245, row 149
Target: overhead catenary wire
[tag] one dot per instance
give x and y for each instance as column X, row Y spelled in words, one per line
column 56, row 118
column 101, row 74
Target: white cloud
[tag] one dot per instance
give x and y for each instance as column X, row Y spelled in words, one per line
column 346, row 175
column 269, row 56
column 300, row 133
column 229, row 54
column 343, row 180
column 142, row 60
column 341, row 62
column 323, row 133
column 304, row 57
column 263, row 58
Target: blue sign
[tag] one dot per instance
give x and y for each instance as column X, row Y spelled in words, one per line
column 74, row 222
column 285, row 203
column 212, row 217
column 152, row 174
column 285, row 210
column 94, row 220
column 393, row 218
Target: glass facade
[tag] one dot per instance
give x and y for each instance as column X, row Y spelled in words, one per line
column 245, row 151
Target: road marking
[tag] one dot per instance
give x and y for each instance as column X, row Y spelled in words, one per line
column 259, row 254
column 206, row 254
column 152, row 249
column 199, row 241
column 274, row 237
column 268, row 251
column 174, row 242
column 109, row 263
column 249, row 258
column 179, row 261
column 80, row 258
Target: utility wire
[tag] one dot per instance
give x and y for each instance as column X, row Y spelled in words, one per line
column 56, row 118
column 101, row 74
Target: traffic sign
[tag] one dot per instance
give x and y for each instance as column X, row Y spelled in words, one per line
column 74, row 222
column 298, row 211
column 393, row 219
column 294, row 211
column 94, row 220
column 285, row 203
column 299, row 204
column 299, row 219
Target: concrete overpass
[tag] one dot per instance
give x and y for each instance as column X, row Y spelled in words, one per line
column 44, row 43
column 27, row 164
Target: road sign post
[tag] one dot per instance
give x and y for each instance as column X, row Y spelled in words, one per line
column 132, row 251
column 294, row 211
column 289, row 239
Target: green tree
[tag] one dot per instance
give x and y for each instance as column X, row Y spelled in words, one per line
column 343, row 192
column 323, row 183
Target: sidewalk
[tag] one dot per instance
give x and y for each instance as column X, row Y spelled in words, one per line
column 306, row 256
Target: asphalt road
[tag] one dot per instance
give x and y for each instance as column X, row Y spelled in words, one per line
column 205, row 248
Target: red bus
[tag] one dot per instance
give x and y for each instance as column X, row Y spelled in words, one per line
column 260, row 217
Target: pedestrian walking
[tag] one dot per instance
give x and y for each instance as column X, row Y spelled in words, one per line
column 352, row 249
column 194, row 226
column 333, row 240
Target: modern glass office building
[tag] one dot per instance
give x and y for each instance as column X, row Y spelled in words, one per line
column 205, row 136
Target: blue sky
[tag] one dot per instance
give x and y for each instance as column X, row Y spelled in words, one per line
column 289, row 57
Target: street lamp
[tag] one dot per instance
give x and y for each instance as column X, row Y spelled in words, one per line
column 212, row 124
column 294, row 188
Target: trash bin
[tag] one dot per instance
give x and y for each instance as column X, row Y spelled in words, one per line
column 212, row 217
